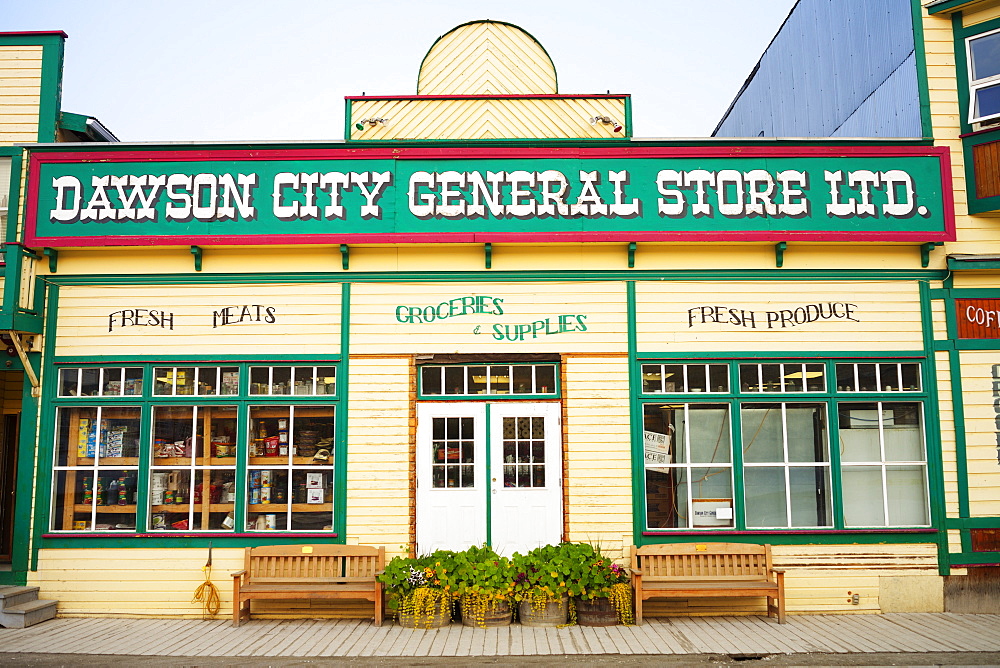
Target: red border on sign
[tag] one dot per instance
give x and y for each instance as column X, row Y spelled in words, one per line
column 443, row 153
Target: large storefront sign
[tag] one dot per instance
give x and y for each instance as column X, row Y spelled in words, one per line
column 978, row 318
column 400, row 195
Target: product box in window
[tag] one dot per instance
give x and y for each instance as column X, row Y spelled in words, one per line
column 86, row 438
column 314, row 494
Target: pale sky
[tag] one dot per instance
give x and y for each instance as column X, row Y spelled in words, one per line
column 243, row 70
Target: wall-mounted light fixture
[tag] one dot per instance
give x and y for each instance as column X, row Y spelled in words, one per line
column 607, row 120
column 370, row 122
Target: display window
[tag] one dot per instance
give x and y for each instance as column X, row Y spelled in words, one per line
column 754, row 459
column 195, row 450
column 497, row 380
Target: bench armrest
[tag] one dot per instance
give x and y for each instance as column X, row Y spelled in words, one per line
column 777, row 570
column 238, row 574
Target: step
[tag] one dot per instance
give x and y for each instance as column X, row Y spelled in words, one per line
column 27, row 614
column 13, row 595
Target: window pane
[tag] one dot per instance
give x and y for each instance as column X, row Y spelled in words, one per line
column 522, row 379
column 303, row 380
column 545, row 379
column 281, row 380
column 91, row 382
column 666, row 498
column 985, row 56
column 112, row 384
column 260, row 382
column 911, row 377
column 659, row 433
column 903, row 433
column 454, row 380
column 762, row 433
column 765, row 496
column 866, row 378
column 793, row 377
column 208, row 381
column 430, row 377
column 68, row 381
column 711, row 490
column 863, row 501
column 806, row 429
column 750, row 377
column 77, row 438
column 499, row 379
column 697, row 380
column 888, row 375
column 907, row 490
column 845, row 378
column 652, row 378
column 326, row 380
column 173, row 434
column 815, row 380
column 718, row 375
column 810, row 496
column 133, row 381
column 476, row 379
column 858, row 437
column 708, row 432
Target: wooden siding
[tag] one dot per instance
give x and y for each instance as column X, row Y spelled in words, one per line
column 981, row 431
column 599, row 454
column 888, row 315
column 307, row 320
column 986, row 163
column 946, row 424
column 379, row 466
column 375, row 328
column 979, row 14
column 496, row 118
column 20, row 93
column 486, row 58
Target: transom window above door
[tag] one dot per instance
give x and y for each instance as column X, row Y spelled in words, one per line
column 488, row 379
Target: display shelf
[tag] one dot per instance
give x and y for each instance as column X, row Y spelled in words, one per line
column 109, row 462
column 185, row 507
column 185, row 462
column 296, row 507
column 87, row 507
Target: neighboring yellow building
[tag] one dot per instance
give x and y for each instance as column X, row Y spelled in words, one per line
column 491, row 315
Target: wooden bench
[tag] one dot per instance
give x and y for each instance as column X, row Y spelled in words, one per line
column 697, row 570
column 307, row 572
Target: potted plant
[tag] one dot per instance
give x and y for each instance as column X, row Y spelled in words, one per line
column 605, row 593
column 544, row 580
column 485, row 584
column 421, row 589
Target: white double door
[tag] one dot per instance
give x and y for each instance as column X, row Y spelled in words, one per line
column 488, row 473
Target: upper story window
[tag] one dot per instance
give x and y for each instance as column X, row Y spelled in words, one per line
column 495, row 379
column 984, row 76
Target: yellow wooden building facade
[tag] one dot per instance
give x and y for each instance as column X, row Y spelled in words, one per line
column 583, row 357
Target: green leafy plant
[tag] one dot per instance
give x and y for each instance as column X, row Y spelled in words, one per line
column 484, row 581
column 421, row 589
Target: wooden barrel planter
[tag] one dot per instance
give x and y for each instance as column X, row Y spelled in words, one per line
column 496, row 613
column 425, row 609
column 550, row 613
column 596, row 612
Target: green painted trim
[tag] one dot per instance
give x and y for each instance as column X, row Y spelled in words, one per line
column 487, row 488
column 146, row 540
column 793, row 356
column 973, row 523
column 958, row 409
column 505, row 23
column 830, row 398
column 340, row 429
column 51, row 90
column 628, row 117
column 46, row 434
column 971, row 558
column 74, row 122
column 500, row 276
column 23, row 550
column 923, row 90
column 348, row 112
column 976, row 344
column 932, row 430
column 125, row 360
column 961, row 80
column 779, row 537
column 948, row 6
column 14, row 195
column 636, row 419
column 973, row 293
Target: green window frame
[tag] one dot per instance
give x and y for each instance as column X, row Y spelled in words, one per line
column 789, row 446
column 188, row 448
column 495, row 380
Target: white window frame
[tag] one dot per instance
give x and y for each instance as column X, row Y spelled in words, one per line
column 976, row 85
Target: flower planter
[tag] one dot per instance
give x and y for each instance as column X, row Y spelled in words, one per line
column 549, row 613
column 425, row 608
column 492, row 614
column 596, row 612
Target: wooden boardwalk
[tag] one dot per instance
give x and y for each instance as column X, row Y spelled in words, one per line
column 839, row 634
